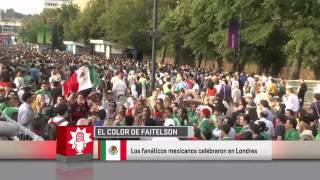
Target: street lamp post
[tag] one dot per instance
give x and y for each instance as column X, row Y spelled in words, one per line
column 154, row 45
column 44, row 30
column 239, row 46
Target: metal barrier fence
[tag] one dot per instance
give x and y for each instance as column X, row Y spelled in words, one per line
column 23, row 134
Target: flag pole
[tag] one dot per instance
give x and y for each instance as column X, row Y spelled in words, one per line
column 154, row 45
column 239, row 46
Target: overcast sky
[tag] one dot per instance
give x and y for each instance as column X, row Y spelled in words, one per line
column 23, row 6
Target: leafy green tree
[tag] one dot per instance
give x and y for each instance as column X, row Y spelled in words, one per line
column 129, row 24
column 300, row 21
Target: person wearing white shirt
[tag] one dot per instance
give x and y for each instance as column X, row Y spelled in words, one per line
column 60, row 119
column 235, row 94
column 55, row 76
column 19, row 81
column 196, row 87
column 134, row 92
column 218, row 87
column 114, row 79
column 25, row 113
column 292, row 100
column 251, row 81
column 119, row 88
column 268, row 123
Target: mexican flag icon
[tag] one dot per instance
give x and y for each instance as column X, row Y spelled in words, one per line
column 74, row 143
column 112, row 150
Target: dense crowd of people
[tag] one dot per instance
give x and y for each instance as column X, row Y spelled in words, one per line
column 219, row 105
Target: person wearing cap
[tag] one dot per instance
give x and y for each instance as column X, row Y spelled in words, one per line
column 292, row 100
column 205, row 125
column 292, row 133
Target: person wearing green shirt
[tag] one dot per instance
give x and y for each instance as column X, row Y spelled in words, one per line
column 175, row 113
column 318, row 136
column 263, row 130
column 168, row 114
column 143, row 81
column 205, row 125
column 292, row 133
column 244, row 122
column 265, row 135
column 27, row 79
column 3, row 105
column 167, row 86
column 192, row 116
column 10, row 112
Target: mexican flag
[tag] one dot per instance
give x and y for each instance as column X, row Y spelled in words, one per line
column 111, row 150
column 85, row 77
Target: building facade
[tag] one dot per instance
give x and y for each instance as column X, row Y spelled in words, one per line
column 11, row 28
column 82, row 4
column 53, row 4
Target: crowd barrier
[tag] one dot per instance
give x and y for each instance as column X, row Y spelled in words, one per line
column 22, row 133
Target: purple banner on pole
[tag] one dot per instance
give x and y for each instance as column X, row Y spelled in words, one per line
column 233, row 41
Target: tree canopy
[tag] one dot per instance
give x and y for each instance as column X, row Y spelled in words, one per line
column 273, row 33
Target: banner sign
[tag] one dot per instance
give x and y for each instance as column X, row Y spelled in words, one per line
column 137, row 132
column 156, row 143
column 234, row 28
column 110, row 150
